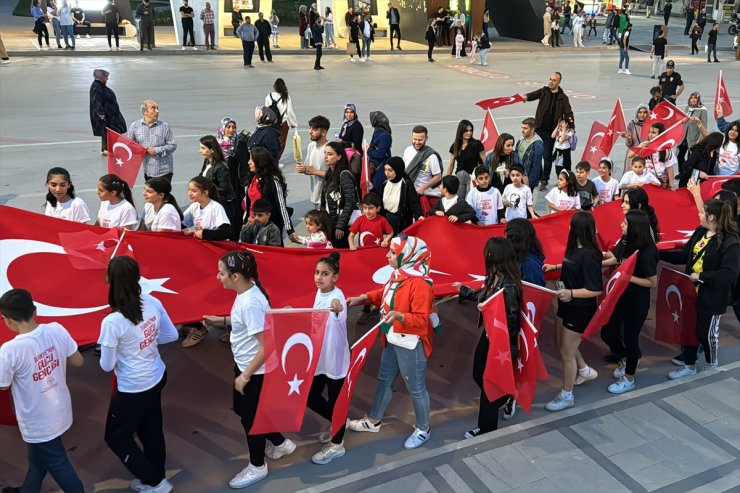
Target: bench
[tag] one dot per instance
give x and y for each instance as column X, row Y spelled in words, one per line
column 125, row 30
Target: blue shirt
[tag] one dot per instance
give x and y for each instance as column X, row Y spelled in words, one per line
column 159, row 136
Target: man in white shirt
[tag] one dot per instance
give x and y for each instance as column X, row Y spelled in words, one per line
column 424, row 168
column 313, row 165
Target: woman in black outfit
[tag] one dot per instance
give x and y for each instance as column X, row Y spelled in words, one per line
column 702, row 156
column 268, row 183
column 339, row 195
column 500, row 160
column 267, row 134
column 215, row 169
column 400, row 201
column 431, row 37
column 353, row 27
column 466, row 152
column 351, row 133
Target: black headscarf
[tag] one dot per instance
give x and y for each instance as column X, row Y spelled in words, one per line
column 398, row 166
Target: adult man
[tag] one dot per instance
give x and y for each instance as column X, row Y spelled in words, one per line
column 424, row 168
column 248, row 34
column 112, row 18
column 670, row 82
column 613, row 28
column 186, row 18
column 553, row 105
column 80, row 23
column 208, row 18
column 547, row 30
column 624, row 51
column 156, row 136
column 567, row 11
column 689, row 20
column 264, row 30
column 145, row 13
column 394, row 20
column 667, row 12
column 313, row 165
column 528, row 151
column 658, row 53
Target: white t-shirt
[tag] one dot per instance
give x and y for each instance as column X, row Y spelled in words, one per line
column 630, row 178
column 334, row 359
column 428, row 169
column 519, row 199
column 486, row 205
column 607, row 190
column 561, row 199
column 138, row 364
column 729, row 161
column 247, row 320
column 211, row 216
column 566, row 143
column 166, row 218
column 34, row 366
column 72, row 210
column 116, row 216
column 315, row 157
column 658, row 168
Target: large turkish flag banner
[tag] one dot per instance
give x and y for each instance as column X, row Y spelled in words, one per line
column 124, row 157
column 498, row 377
column 613, row 290
column 675, row 309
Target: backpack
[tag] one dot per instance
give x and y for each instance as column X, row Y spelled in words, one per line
column 574, row 142
column 274, row 107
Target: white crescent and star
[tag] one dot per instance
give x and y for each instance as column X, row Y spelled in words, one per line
column 597, row 134
column 362, row 238
column 484, row 136
column 360, row 357
column 122, row 146
column 612, row 280
column 302, row 339
column 666, row 145
column 676, row 314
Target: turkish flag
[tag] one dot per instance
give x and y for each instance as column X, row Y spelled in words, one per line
column 489, row 134
column 671, row 137
column 358, row 357
column 722, row 98
column 366, row 181
column 536, row 302
column 489, row 104
column 665, row 113
column 675, row 309
column 613, row 290
column 592, row 150
column 124, row 157
column 292, row 343
column 713, row 185
column 529, row 366
column 616, row 126
column 90, row 249
column 498, row 377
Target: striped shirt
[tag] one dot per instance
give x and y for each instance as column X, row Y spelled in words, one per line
column 159, row 136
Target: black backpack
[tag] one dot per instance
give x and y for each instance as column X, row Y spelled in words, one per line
column 276, row 110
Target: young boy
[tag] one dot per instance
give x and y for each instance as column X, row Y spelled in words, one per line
column 586, row 189
column 607, row 186
column 34, row 366
column 450, row 205
column 638, row 176
column 259, row 230
column 485, row 199
column 372, row 228
column 517, row 196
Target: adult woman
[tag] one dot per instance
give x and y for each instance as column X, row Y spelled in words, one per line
column 634, row 131
column 712, row 259
column 104, row 110
column 466, row 152
column 486, row 20
column 637, row 199
column 528, row 250
column 500, row 160
column 502, row 272
column 695, row 110
column 353, row 30
column 268, row 183
column 280, row 98
column 352, row 132
column 52, row 12
column 661, row 163
column 703, row 157
column 215, row 169
column 129, row 337
column 238, row 271
column 632, row 308
column 236, row 18
column 67, row 23
column 303, row 25
column 379, row 149
column 266, row 134
column 161, row 211
column 329, row 28
column 39, row 23
column 400, row 200
column 236, row 154
column 431, row 38
column 339, row 195
column 408, row 325
column 728, row 162
column 581, row 276
column 317, row 40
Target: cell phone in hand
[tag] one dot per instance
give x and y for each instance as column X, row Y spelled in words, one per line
column 695, row 176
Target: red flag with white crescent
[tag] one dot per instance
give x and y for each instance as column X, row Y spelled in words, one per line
column 675, row 309
column 614, row 128
column 489, row 134
column 530, row 367
column 90, row 249
column 613, row 290
column 498, row 377
column 592, row 149
column 664, row 141
column 721, row 98
column 489, row 104
column 124, row 157
column 666, row 113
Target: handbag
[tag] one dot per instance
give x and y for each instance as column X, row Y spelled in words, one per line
column 351, row 48
column 406, row 341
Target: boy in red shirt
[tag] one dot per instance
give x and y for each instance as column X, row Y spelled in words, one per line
column 372, row 228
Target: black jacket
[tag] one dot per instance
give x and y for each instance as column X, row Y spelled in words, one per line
column 317, row 33
column 409, row 208
column 339, row 199
column 274, row 193
column 267, row 137
column 461, row 209
column 103, row 102
column 221, row 177
column 264, row 29
column 720, row 268
column 430, row 35
column 388, row 15
column 352, row 134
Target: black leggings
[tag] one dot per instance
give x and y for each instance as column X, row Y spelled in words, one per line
column 317, row 63
column 694, row 47
column 112, row 29
column 566, row 160
column 325, row 407
column 42, row 31
column 631, row 310
column 431, row 48
column 488, row 411
column 707, row 331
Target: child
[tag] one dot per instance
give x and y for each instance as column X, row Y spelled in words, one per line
column 205, row 218
column 473, row 49
column 485, row 199
column 517, row 196
column 274, row 28
column 61, row 201
column 587, row 191
column 259, row 230
column 34, row 366
column 592, row 25
column 372, row 228
column 450, row 205
column 116, row 204
column 161, row 211
column 484, row 44
column 563, row 135
column 660, row 164
column 564, row 196
column 317, row 224
column 459, row 40
column 637, row 177
column 607, row 186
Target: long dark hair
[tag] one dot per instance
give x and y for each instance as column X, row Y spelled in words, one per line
column 638, row 235
column 57, row 171
column 500, row 258
column 210, row 142
column 206, row 185
column 114, row 183
column 639, row 200
column 523, row 238
column 710, row 143
column 461, row 128
column 124, row 291
column 727, row 140
column 281, row 89
column 244, row 264
column 582, row 234
column 331, row 177
column 723, row 217
column 498, row 151
column 265, row 168
column 320, row 218
column 163, row 186
column 570, row 181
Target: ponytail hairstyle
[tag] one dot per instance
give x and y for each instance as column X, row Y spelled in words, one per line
column 124, row 291
column 114, row 184
column 163, row 186
column 729, row 197
column 331, row 261
column 500, row 258
column 724, row 218
column 321, row 218
column 205, row 185
column 639, row 200
column 57, row 171
column 244, row 264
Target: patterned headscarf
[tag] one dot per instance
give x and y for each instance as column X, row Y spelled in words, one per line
column 698, row 100
column 265, row 116
column 350, row 106
column 228, row 144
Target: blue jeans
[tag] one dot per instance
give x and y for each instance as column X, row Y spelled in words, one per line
column 366, row 42
column 329, row 35
column 69, row 31
column 57, row 30
column 624, row 58
column 412, row 365
column 50, row 457
column 248, row 47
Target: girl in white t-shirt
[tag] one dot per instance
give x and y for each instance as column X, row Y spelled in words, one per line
column 563, row 135
column 116, row 204
column 607, row 186
column 728, row 162
column 161, row 211
column 661, row 164
column 564, row 196
column 61, row 201
column 129, row 337
column 238, row 271
column 205, row 218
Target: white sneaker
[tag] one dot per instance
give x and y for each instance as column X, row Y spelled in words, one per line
column 87, row 36
column 591, row 375
column 363, row 60
column 417, row 438
column 275, row 452
column 363, row 424
column 118, row 48
column 248, row 476
column 352, row 60
column 136, row 485
column 621, row 386
column 627, row 72
column 183, row 48
column 328, row 453
column 560, row 402
column 78, row 36
column 686, row 371
column 619, row 370
column 163, row 487
column 620, row 71
column 509, row 408
column 195, row 48
column 110, row 49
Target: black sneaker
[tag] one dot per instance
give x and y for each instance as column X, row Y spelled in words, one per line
column 472, row 433
column 678, row 360
column 543, row 185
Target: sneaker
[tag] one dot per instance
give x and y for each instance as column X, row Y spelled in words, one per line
column 510, row 408
column 621, row 386
column 472, row 433
column 136, row 485
column 620, row 71
column 328, row 453
column 195, row 48
column 709, row 366
column 325, row 436
column 248, row 476
column 362, row 60
column 627, row 72
column 417, row 438
column 619, row 370
column 678, row 359
column 87, row 36
column 686, row 371
column 560, row 402
column 275, row 452
column 5, row 61
column 363, row 424
column 118, row 48
column 183, row 48
column 543, row 185
column 110, row 49
column 195, row 335
column 352, row 60
column 591, row 375
column 163, row 487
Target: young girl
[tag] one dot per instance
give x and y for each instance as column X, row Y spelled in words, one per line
column 161, row 212
column 274, row 28
column 459, row 41
column 607, row 186
column 661, row 164
column 484, row 44
column 728, row 162
column 317, row 225
column 116, row 204
column 473, row 49
column 563, row 135
column 564, row 196
column 129, row 338
column 334, row 360
column 61, row 201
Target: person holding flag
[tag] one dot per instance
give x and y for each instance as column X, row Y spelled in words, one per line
column 104, row 110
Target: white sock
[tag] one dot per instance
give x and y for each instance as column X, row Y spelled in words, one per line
column 567, row 393
column 584, row 371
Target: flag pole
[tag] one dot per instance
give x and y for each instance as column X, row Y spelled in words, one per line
column 120, row 239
